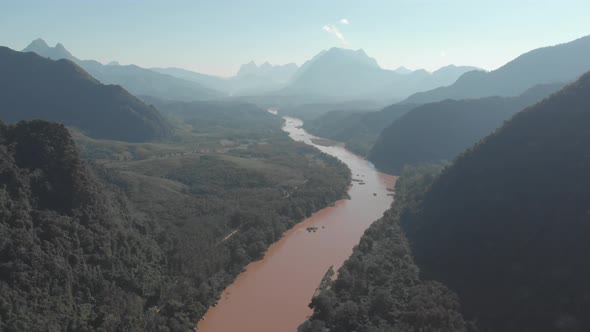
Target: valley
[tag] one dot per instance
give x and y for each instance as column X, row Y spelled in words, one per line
column 272, row 294
column 222, row 166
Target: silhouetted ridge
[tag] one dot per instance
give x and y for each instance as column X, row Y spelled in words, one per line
column 560, row 63
column 137, row 80
column 32, row 87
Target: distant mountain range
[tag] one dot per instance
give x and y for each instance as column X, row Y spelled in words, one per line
column 339, row 75
column 335, row 74
column 560, row 63
column 442, row 130
column 34, row 87
column 347, row 74
column 277, row 73
column 137, row 80
column 250, row 79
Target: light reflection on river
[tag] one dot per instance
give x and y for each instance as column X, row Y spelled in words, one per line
column 272, row 294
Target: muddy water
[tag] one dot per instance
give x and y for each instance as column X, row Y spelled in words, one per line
column 272, row 294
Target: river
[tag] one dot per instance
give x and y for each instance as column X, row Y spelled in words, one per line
column 272, row 294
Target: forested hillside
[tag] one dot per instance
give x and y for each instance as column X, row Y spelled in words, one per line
column 67, row 242
column 358, row 130
column 560, row 63
column 220, row 115
column 441, row 131
column 149, row 243
column 33, row 87
column 379, row 288
column 506, row 226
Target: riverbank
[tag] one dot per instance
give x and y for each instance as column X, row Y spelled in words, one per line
column 272, row 294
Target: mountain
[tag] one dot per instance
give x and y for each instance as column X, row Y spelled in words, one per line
column 442, row 130
column 33, row 87
column 309, row 111
column 358, row 130
column 338, row 72
column 276, row 73
column 67, row 242
column 221, row 114
column 137, row 80
column 403, row 70
column 506, row 225
column 40, row 47
column 250, row 79
column 343, row 73
column 210, row 81
column 560, row 63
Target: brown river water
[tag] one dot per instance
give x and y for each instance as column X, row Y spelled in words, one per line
column 272, row 294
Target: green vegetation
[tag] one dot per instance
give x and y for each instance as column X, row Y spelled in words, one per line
column 358, row 130
column 378, row 288
column 33, row 87
column 136, row 220
column 441, row 131
column 148, row 235
column 73, row 254
column 506, row 226
column 208, row 116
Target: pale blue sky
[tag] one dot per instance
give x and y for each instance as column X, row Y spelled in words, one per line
column 217, row 36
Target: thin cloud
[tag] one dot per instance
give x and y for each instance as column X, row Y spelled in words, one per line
column 344, row 21
column 332, row 29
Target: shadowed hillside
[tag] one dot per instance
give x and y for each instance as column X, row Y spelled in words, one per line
column 506, row 226
column 358, row 130
column 441, row 131
column 33, row 87
column 66, row 243
column 379, row 288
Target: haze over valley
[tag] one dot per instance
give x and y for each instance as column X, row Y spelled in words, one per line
column 311, row 166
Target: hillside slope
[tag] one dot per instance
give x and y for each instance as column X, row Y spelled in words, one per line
column 66, row 242
column 358, row 130
column 442, row 130
column 506, row 226
column 379, row 288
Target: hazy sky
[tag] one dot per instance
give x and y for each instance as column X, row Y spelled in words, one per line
column 217, row 36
